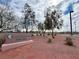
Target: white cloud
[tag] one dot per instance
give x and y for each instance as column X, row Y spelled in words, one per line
column 54, row 2
column 39, row 7
column 66, row 18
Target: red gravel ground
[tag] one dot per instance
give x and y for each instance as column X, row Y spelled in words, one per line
column 40, row 49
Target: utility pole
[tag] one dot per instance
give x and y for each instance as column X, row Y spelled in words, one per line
column 71, row 22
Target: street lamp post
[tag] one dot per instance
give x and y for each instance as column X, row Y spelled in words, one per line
column 75, row 26
column 71, row 22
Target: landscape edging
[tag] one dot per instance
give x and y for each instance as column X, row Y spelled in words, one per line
column 9, row 46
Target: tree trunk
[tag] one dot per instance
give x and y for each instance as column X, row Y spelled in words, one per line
column 26, row 27
column 26, row 30
column 1, row 22
column 52, row 34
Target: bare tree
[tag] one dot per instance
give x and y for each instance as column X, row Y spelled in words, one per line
column 6, row 17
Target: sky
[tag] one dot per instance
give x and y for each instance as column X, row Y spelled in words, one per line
column 39, row 6
column 66, row 6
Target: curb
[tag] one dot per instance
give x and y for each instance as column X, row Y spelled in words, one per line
column 6, row 47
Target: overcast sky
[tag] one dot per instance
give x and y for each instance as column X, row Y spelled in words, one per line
column 39, row 7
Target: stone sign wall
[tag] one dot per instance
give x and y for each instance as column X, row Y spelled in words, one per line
column 17, row 37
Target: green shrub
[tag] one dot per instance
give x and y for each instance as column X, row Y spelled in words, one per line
column 49, row 40
column 69, row 41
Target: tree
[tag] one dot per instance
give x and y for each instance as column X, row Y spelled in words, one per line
column 53, row 20
column 40, row 27
column 48, row 23
column 29, row 16
column 1, row 15
column 6, row 17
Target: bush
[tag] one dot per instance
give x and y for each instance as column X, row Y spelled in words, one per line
column 32, row 34
column 49, row 40
column 55, row 34
column 69, row 41
column 37, row 34
column 40, row 34
column 2, row 41
column 48, row 34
